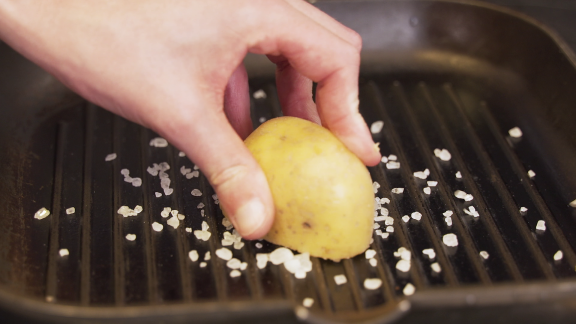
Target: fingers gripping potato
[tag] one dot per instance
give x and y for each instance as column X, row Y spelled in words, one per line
column 322, row 192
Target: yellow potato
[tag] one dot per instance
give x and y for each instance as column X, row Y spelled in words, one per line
column 322, row 192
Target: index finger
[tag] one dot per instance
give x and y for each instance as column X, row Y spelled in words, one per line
column 327, row 59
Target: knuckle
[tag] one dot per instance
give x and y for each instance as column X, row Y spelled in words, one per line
column 356, row 40
column 228, row 176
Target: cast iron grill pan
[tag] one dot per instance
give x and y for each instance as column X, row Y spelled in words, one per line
column 466, row 108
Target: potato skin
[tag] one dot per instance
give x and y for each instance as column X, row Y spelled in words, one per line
column 322, row 192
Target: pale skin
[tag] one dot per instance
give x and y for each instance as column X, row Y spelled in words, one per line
column 175, row 66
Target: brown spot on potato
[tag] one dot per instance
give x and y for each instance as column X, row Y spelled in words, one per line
column 306, row 225
column 283, row 138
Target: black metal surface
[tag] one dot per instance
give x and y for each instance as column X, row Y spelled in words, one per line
column 439, row 74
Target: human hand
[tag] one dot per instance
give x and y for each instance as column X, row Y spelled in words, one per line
column 176, row 67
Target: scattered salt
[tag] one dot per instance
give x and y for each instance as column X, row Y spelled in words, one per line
column 430, row 253
column 340, row 279
column 389, row 221
column 173, row 221
column 458, row 175
column 224, row 254
column 384, row 159
column 409, row 289
column 373, row 262
column 541, row 225
column 308, row 302
column 442, row 154
column 370, row 253
column 63, row 252
column 158, row 142
column 448, row 221
column 157, row 194
column 436, row 267
column 157, row 226
column 181, row 154
column 406, row 218
column 207, row 256
column 261, row 260
column 280, row 255
column 372, row 283
column 375, row 186
column 110, row 157
column 573, row 203
column 484, row 255
column 392, row 157
column 234, row 263
column 420, row 174
column 390, row 229
column 515, row 132
column 432, row 183
column 523, row 210
column 375, row 226
column 259, row 94
column 235, row 273
column 130, row 237
column 42, row 213
column 70, row 210
column 393, row 165
column 193, row 255
column 427, row 190
column 397, row 190
column 196, row 193
column 531, row 173
column 416, row 215
column 376, row 127
column 468, row 197
column 258, row 245
column 558, row 255
column 459, row 194
column 189, row 229
column 403, row 265
column 203, row 264
column 450, row 239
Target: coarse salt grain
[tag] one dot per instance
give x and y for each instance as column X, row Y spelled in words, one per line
column 427, row 190
column 259, row 94
column 375, row 186
column 523, row 210
column 448, row 213
column 468, row 197
column 110, row 157
column 130, row 237
column 531, row 174
column 376, row 127
column 416, row 215
column 573, row 203
column 448, row 221
column 385, row 235
column 181, row 154
column 157, row 226
column 450, row 239
column 372, row 283
column 158, row 142
column 203, row 264
column 384, row 211
column 234, row 263
column 379, row 218
column 224, row 254
column 340, row 279
column 207, row 256
column 370, row 253
column 397, row 190
column 193, row 255
column 189, row 229
column 235, row 273
column 459, row 194
column 375, row 226
column 558, row 255
column 541, row 225
column 391, row 165
column 403, row 265
column 389, row 221
column 432, row 183
column 390, row 229
column 281, row 255
column 70, row 210
column 409, row 289
column 261, row 260
column 436, row 267
column 196, row 193
column 430, row 253
column 384, row 159
column 420, row 175
column 373, row 262
column 308, row 302
column 458, row 175
column 406, row 218
column 258, row 245
column 42, row 213
column 173, row 221
column 442, row 154
column 484, row 255
column 63, row 252
column 515, row 132
column 157, row 194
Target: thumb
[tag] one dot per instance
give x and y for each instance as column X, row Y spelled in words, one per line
column 211, row 142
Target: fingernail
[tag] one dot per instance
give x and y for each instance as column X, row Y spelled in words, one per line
column 249, row 217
